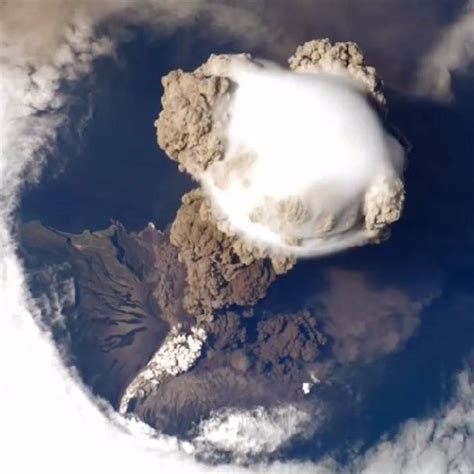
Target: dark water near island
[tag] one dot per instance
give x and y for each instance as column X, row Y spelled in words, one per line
column 116, row 170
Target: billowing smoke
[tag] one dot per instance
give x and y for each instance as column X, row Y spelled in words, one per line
column 177, row 354
column 295, row 162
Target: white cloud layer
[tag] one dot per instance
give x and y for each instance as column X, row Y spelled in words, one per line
column 252, row 433
column 50, row 424
column 442, row 444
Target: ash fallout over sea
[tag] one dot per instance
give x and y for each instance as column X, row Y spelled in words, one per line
column 235, row 237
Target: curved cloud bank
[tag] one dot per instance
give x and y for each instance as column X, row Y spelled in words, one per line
column 49, row 422
column 438, row 445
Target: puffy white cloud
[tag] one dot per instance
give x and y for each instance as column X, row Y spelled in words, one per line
column 249, row 433
column 318, row 163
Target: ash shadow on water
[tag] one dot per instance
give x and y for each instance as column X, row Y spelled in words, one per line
column 432, row 246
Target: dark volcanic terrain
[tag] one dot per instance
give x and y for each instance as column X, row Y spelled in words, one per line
column 129, row 289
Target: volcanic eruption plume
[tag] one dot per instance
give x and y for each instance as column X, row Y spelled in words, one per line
column 292, row 162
